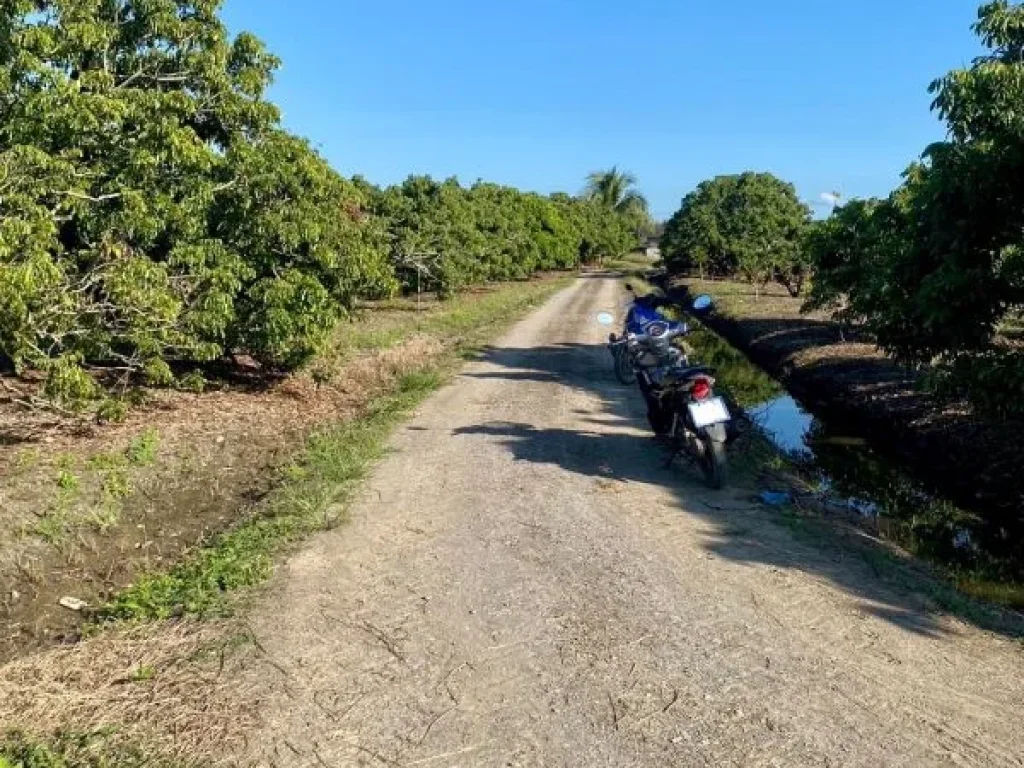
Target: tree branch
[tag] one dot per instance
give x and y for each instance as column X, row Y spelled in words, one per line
column 90, row 198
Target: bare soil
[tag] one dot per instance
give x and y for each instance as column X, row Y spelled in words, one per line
column 217, row 454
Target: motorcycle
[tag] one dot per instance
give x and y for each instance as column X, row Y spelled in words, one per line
column 681, row 402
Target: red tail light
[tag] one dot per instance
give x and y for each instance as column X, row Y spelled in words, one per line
column 701, row 389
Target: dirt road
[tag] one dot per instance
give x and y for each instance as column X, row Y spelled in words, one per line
column 523, row 583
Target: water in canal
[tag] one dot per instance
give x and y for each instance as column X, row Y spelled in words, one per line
column 847, row 474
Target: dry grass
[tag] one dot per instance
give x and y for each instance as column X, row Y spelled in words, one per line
column 166, row 689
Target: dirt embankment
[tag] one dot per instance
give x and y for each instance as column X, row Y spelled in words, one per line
column 974, row 461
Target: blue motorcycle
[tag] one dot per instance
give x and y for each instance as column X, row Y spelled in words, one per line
column 681, row 401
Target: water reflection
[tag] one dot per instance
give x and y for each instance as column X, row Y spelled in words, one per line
column 851, row 476
column 785, row 422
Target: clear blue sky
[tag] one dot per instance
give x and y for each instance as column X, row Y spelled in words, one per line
column 829, row 95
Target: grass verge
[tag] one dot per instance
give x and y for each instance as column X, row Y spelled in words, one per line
column 74, row 750
column 310, row 498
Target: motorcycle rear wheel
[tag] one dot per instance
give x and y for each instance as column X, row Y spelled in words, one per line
column 714, row 462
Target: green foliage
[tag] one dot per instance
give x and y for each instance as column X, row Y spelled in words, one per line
column 74, row 750
column 143, row 674
column 444, row 236
column 67, row 481
column 151, row 209
column 112, row 410
column 934, row 270
column 848, row 252
column 67, row 384
column 115, row 486
column 752, row 225
column 142, row 450
column 193, row 382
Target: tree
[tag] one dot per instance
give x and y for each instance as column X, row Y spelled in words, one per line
column 849, row 254
column 752, row 224
column 946, row 250
column 444, row 236
column 152, row 211
column 615, row 190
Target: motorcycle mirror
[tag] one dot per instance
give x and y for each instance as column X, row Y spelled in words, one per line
column 703, row 303
column 606, row 318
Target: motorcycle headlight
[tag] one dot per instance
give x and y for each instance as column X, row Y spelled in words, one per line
column 656, row 330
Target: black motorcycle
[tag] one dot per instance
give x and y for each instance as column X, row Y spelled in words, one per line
column 681, row 401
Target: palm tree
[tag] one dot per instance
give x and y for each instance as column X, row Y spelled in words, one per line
column 615, row 189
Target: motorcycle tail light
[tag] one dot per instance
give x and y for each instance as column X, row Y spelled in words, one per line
column 701, row 389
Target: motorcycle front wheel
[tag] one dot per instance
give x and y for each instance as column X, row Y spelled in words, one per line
column 623, row 366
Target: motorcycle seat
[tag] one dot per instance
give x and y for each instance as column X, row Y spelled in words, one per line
column 689, row 372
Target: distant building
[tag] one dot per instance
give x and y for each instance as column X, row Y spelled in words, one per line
column 652, row 248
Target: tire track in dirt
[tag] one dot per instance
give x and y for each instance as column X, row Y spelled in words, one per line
column 525, row 583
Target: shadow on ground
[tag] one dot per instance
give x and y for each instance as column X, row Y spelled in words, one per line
column 744, row 531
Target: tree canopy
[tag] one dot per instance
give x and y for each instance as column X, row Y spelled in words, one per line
column 155, row 215
column 444, row 236
column 937, row 268
column 616, row 190
column 751, row 224
column 152, row 209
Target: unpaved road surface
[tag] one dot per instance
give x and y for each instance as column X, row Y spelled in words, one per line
column 524, row 583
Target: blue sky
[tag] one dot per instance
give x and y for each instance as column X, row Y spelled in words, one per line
column 829, row 95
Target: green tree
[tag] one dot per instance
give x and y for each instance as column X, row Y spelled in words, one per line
column 152, row 211
column 941, row 263
column 694, row 238
column 444, row 236
column 752, row 224
column 616, row 191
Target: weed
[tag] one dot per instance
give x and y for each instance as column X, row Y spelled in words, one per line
column 52, row 527
column 106, row 461
column 73, row 750
column 112, row 410
column 143, row 673
column 54, row 524
column 67, row 481
column 105, row 516
column 142, row 451
column 116, row 485
column 193, row 382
